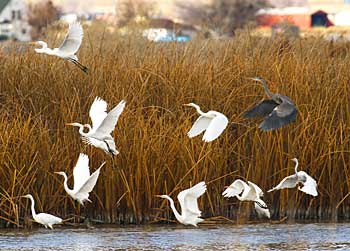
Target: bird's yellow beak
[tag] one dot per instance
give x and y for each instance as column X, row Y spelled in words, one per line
column 56, row 172
column 252, row 79
column 159, row 196
column 69, row 124
column 186, row 104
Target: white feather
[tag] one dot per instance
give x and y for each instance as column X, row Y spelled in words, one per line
column 72, row 40
column 199, row 126
column 81, row 171
column 215, row 128
column 98, row 112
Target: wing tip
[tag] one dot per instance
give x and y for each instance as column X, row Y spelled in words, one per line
column 83, row 156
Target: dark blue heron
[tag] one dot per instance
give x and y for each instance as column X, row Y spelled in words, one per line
column 278, row 110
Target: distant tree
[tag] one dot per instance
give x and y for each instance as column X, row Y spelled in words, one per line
column 40, row 15
column 128, row 11
column 221, row 16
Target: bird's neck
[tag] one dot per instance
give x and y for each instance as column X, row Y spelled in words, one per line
column 267, row 91
column 176, row 213
column 296, row 167
column 32, row 207
column 81, row 129
column 65, row 185
column 198, row 109
column 45, row 49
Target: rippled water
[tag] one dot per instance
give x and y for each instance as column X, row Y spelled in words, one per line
column 222, row 237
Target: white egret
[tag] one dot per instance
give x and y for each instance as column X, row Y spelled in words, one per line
column 83, row 181
column 190, row 213
column 68, row 48
column 99, row 135
column 248, row 192
column 212, row 122
column 291, row 181
column 47, row 220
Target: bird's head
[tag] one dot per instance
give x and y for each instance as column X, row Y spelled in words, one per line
column 190, row 104
column 27, row 196
column 73, row 124
column 294, row 160
column 39, row 43
column 162, row 196
column 256, row 78
column 60, row 173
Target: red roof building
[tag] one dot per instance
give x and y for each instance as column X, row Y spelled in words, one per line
column 297, row 16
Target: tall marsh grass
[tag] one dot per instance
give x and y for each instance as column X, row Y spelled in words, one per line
column 39, row 94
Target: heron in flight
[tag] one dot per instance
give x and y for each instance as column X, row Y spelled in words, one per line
column 278, row 110
column 83, row 181
column 291, row 181
column 190, row 213
column 47, row 220
column 99, row 135
column 68, row 48
column 212, row 122
column 248, row 192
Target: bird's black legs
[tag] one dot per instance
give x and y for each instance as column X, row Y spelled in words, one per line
column 81, row 67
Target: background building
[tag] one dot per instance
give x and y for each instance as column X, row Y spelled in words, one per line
column 13, row 20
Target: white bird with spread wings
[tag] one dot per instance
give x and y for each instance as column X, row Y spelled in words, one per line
column 68, row 48
column 248, row 192
column 291, row 181
column 212, row 122
column 83, row 181
column 190, row 213
column 99, row 135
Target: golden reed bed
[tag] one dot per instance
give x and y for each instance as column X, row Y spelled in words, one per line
column 39, row 94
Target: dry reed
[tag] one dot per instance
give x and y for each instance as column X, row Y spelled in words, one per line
column 39, row 94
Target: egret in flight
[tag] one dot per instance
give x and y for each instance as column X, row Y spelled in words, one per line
column 212, row 122
column 99, row 135
column 68, row 48
column 190, row 213
column 47, row 220
column 83, row 181
column 248, row 192
column 309, row 184
column 277, row 111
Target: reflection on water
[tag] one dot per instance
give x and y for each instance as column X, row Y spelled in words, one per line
column 221, row 237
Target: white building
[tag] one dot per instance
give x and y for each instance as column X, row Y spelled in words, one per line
column 13, row 20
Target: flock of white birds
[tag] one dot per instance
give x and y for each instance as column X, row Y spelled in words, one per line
column 278, row 111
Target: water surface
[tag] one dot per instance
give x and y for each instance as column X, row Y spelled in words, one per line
column 175, row 237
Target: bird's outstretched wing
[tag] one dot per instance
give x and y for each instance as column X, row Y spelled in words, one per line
column 283, row 114
column 81, row 171
column 199, row 126
column 108, row 124
column 188, row 199
column 98, row 112
column 254, row 187
column 215, row 128
column 89, row 184
column 288, row 182
column 262, row 109
column 309, row 186
column 234, row 189
column 73, row 39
